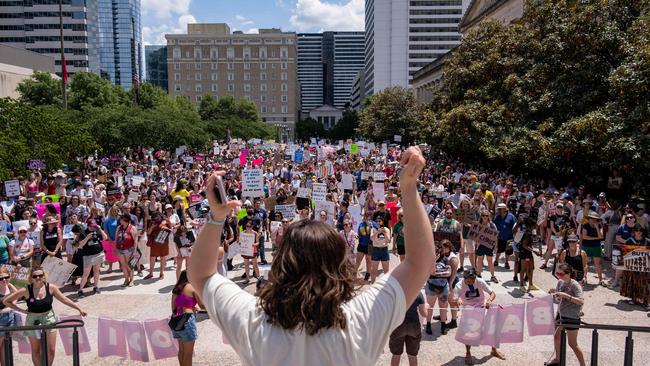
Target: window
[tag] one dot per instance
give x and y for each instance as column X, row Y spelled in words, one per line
column 262, row 76
column 231, row 87
column 284, row 109
column 187, row 54
column 214, row 53
column 247, row 87
column 197, row 98
column 283, row 65
column 247, row 66
column 177, row 76
column 262, row 53
column 187, row 77
column 231, row 66
column 283, row 76
column 247, row 53
column 272, row 109
column 247, row 97
column 231, row 76
column 197, row 76
column 197, row 53
column 177, row 87
column 263, row 87
column 177, row 66
column 230, row 52
column 263, row 109
column 215, row 87
column 198, row 88
column 214, row 76
column 197, row 66
column 247, row 76
column 263, row 97
column 284, row 98
column 283, row 87
column 187, row 66
column 263, row 66
column 213, row 66
column 176, row 52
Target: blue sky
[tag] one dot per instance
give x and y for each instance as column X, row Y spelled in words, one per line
column 171, row 16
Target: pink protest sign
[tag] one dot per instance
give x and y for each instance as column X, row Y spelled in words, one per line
column 469, row 327
column 259, row 161
column 511, row 323
column 110, row 338
column 23, row 344
column 163, row 345
column 66, row 337
column 42, row 207
column 111, row 252
column 243, row 155
column 539, row 316
column 136, row 340
column 194, row 198
column 489, row 332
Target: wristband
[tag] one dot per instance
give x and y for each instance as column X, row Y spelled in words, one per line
column 210, row 220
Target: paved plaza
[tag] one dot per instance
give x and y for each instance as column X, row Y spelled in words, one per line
column 150, row 299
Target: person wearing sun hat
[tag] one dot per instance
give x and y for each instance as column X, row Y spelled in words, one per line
column 592, row 235
column 21, row 248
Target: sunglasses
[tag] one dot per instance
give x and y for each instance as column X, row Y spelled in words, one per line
column 560, row 274
column 4, row 278
column 38, row 276
column 630, row 218
column 32, row 223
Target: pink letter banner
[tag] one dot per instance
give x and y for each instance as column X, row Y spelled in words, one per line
column 66, row 337
column 163, row 344
column 469, row 328
column 110, row 338
column 540, row 316
column 136, row 339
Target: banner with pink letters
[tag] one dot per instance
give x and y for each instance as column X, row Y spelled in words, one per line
column 505, row 323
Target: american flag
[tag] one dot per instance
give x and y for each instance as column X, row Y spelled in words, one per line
column 136, row 79
column 64, row 69
column 325, row 170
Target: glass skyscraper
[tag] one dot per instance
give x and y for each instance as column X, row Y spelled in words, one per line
column 115, row 46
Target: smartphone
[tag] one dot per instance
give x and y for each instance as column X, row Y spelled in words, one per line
column 220, row 191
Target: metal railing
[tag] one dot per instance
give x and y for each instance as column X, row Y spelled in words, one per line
column 629, row 342
column 68, row 323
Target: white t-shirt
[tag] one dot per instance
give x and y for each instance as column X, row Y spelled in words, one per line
column 474, row 296
column 371, row 317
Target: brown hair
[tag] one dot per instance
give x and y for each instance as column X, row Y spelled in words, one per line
column 310, row 278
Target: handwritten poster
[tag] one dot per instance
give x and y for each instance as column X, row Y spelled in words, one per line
column 12, row 188
column 247, row 243
column 303, row 192
column 319, row 192
column 347, row 181
column 58, row 271
column 252, row 183
column 287, row 211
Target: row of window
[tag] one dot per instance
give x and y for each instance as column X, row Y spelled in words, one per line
column 231, row 76
column 435, row 11
column 230, row 65
column 437, row 3
column 74, row 51
column 246, row 53
column 246, row 88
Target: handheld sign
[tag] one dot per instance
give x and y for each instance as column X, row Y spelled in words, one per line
column 12, row 188
column 246, row 244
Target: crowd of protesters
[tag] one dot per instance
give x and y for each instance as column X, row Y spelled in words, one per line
column 151, row 205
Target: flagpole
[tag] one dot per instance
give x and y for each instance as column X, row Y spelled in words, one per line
column 64, row 70
column 135, row 78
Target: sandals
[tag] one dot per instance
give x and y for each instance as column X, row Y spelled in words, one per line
column 497, row 354
column 148, row 277
column 469, row 360
column 603, row 283
column 494, row 280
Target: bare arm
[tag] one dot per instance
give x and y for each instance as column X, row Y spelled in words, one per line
column 204, row 258
column 54, row 290
column 414, row 270
column 10, row 301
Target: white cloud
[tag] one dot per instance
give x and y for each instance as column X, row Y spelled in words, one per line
column 323, row 15
column 243, row 20
column 169, row 16
column 252, row 31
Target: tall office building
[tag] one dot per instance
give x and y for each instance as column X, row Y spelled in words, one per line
column 34, row 25
column 115, row 46
column 328, row 62
column 404, row 35
column 209, row 59
column 101, row 36
column 156, row 61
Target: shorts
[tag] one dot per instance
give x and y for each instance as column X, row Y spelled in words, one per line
column 525, row 254
column 380, row 254
column 127, row 251
column 401, row 250
column 184, row 252
column 482, row 250
column 556, row 242
column 362, row 249
column 43, row 318
column 569, row 321
column 593, row 252
column 91, row 260
column 502, row 245
column 189, row 333
column 442, row 294
column 409, row 335
column 469, row 246
column 7, row 319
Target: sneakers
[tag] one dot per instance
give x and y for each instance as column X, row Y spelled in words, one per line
column 264, row 262
column 507, row 265
column 130, row 283
column 428, row 329
column 80, row 294
column 443, row 328
column 494, row 280
column 96, row 291
column 366, row 277
column 532, row 287
column 452, row 324
column 515, row 278
column 243, row 276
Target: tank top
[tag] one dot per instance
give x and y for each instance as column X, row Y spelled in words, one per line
column 184, row 302
column 123, row 238
column 39, row 306
column 50, row 238
column 591, row 231
column 447, row 262
column 575, row 262
column 2, row 305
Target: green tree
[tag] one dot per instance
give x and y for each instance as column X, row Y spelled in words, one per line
column 346, row 127
column 308, row 128
column 40, row 89
column 88, row 89
column 393, row 111
column 150, row 96
column 211, row 108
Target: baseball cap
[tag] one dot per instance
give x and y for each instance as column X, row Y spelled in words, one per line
column 168, row 206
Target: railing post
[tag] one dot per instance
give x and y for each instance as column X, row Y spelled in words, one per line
column 563, row 347
column 75, row 347
column 43, row 347
column 629, row 349
column 9, row 351
column 594, row 348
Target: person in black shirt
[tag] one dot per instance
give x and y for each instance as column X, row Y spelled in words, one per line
column 89, row 243
column 408, row 334
column 381, row 212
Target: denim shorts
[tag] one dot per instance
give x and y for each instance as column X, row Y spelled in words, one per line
column 380, row 254
column 7, row 319
column 189, row 333
column 43, row 318
column 127, row 251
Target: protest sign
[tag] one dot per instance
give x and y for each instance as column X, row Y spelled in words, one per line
column 18, row 224
column 19, row 275
column 355, row 213
column 137, row 180
column 133, row 196
column 58, row 271
column 303, row 192
column 540, row 316
column 637, row 260
column 621, row 251
column 67, row 232
column 397, row 138
column 347, row 181
column 378, row 191
column 195, row 198
column 114, row 193
column 180, row 150
column 252, row 183
column 41, row 208
column 7, row 206
column 329, row 207
column 319, row 192
column 384, row 149
column 541, row 215
column 354, row 149
column 188, row 160
column 485, row 235
column 50, row 198
column 275, row 225
column 129, row 171
column 247, row 243
column 120, row 181
column 298, row 156
column 470, row 326
column 287, row 211
column 12, row 188
column 36, row 164
column 366, row 175
column 67, row 335
column 3, row 227
column 379, row 176
column 466, row 215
